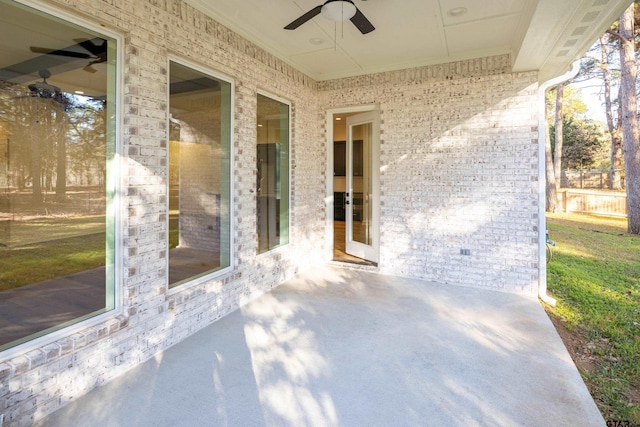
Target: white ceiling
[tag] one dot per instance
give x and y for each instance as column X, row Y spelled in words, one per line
column 20, row 65
column 541, row 35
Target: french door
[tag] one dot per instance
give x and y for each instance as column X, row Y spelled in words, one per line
column 362, row 195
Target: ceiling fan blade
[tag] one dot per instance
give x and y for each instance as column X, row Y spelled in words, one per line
column 68, row 53
column 362, row 23
column 304, row 18
column 89, row 69
column 90, row 46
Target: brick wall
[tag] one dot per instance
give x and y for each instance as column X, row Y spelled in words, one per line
column 199, row 197
column 43, row 378
column 459, row 166
column 458, row 155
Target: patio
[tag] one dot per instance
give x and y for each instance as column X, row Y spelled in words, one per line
column 344, row 347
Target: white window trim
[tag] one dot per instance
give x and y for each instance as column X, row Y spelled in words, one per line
column 288, row 103
column 118, row 164
column 217, row 274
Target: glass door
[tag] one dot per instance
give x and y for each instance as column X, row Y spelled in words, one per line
column 362, row 201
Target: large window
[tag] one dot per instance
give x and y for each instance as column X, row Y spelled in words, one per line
column 199, row 174
column 273, row 173
column 57, row 143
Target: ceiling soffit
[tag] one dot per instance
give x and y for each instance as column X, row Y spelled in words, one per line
column 543, row 35
column 552, row 44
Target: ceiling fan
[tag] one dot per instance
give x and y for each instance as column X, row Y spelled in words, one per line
column 96, row 47
column 43, row 89
column 38, row 89
column 336, row 10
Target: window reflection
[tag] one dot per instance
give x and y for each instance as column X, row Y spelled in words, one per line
column 272, row 173
column 199, row 174
column 57, row 121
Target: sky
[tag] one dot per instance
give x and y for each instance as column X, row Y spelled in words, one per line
column 592, row 95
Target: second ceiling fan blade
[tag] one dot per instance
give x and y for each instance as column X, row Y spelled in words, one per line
column 362, row 23
column 59, row 52
column 88, row 45
column 304, row 18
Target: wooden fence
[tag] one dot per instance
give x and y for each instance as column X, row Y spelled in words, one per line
column 583, row 178
column 594, row 201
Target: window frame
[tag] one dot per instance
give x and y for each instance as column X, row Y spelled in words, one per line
column 115, row 183
column 289, row 104
column 216, row 274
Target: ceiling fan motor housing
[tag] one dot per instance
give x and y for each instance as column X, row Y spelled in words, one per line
column 338, row 10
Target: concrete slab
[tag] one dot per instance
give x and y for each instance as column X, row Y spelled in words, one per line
column 336, row 347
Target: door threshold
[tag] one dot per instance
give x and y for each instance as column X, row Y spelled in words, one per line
column 362, row 262
column 340, row 256
column 350, row 265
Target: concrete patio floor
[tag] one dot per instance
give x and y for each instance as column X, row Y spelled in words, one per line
column 336, row 347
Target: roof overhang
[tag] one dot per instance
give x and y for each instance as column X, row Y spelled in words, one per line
column 539, row 35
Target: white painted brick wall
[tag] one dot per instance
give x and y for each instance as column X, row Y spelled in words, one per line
column 39, row 382
column 459, row 159
column 459, row 170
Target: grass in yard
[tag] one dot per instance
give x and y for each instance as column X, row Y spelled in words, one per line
column 45, row 248
column 595, row 276
column 38, row 230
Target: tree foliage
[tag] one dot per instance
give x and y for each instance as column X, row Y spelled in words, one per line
column 584, row 144
column 613, row 61
column 52, row 139
column 561, row 101
column 573, row 105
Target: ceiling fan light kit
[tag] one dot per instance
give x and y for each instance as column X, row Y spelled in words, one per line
column 338, row 10
column 43, row 89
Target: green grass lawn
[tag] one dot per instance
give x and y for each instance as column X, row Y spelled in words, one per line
column 42, row 229
column 45, row 248
column 595, row 276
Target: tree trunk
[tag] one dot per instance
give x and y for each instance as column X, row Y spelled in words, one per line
column 36, row 184
column 61, row 130
column 557, row 158
column 614, row 131
column 551, row 189
column 628, row 107
column 616, row 154
column 61, row 169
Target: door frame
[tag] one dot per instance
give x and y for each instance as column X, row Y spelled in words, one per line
column 329, row 202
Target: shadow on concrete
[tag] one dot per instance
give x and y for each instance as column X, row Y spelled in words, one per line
column 340, row 347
